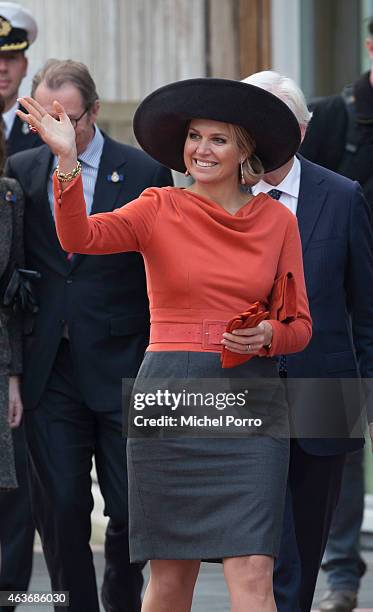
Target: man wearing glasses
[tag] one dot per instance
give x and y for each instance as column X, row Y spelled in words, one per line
column 90, row 332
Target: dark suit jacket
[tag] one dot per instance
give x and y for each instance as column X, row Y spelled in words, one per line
column 326, row 138
column 20, row 138
column 328, row 125
column 103, row 299
column 336, row 232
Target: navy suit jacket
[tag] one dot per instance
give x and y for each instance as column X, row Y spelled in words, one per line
column 103, row 299
column 21, row 138
column 336, row 230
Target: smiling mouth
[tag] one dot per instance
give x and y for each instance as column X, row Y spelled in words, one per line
column 204, row 164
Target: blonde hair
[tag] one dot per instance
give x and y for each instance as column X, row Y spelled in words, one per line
column 252, row 167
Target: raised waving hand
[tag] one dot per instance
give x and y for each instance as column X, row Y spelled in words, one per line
column 58, row 134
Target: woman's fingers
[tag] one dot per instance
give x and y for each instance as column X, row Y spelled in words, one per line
column 32, row 107
column 35, row 112
column 59, row 109
column 31, row 104
column 248, row 347
column 243, row 349
column 57, row 133
column 257, row 338
column 244, row 341
column 30, row 119
column 248, row 340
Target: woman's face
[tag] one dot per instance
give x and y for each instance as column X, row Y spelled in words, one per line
column 211, row 154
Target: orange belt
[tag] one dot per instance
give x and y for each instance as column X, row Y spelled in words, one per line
column 208, row 333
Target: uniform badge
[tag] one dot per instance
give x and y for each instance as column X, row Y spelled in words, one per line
column 115, row 177
column 5, row 27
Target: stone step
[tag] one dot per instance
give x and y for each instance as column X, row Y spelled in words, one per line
column 210, row 594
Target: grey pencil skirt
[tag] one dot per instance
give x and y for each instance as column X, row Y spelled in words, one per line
column 206, row 498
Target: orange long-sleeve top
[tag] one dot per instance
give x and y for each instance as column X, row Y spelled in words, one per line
column 202, row 263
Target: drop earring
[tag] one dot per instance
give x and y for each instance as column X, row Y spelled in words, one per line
column 186, row 173
column 243, row 182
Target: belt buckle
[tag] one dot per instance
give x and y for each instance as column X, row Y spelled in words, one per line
column 212, row 334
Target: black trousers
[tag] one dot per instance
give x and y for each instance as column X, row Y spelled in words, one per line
column 63, row 435
column 313, row 489
column 17, row 528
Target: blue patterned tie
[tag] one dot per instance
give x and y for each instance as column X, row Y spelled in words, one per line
column 282, row 365
column 275, row 194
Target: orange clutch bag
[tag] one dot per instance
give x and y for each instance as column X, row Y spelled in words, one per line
column 283, row 300
column 282, row 306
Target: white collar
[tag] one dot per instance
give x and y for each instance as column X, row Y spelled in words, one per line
column 92, row 154
column 289, row 185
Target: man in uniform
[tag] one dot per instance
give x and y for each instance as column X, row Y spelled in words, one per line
column 18, row 30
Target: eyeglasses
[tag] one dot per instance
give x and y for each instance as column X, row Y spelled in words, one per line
column 74, row 122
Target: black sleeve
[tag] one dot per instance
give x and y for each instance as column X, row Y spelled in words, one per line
column 325, row 137
column 16, row 260
column 8, row 170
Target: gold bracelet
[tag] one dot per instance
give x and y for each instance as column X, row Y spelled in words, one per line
column 66, row 177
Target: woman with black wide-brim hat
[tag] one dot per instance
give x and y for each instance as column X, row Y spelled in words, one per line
column 210, row 251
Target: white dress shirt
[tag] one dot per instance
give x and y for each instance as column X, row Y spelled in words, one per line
column 289, row 187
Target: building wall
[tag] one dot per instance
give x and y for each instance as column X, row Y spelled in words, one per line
column 131, row 47
column 285, row 38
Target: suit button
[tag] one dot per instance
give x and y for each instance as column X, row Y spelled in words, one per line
column 69, row 281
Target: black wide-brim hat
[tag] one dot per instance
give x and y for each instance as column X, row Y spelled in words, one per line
column 161, row 120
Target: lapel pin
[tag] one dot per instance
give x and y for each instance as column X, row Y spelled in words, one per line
column 10, row 196
column 115, row 177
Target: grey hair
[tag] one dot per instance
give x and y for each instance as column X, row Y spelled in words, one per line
column 55, row 73
column 284, row 88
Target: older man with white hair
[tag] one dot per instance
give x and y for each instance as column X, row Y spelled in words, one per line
column 337, row 239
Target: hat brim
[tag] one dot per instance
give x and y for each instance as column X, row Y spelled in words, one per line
column 161, row 120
